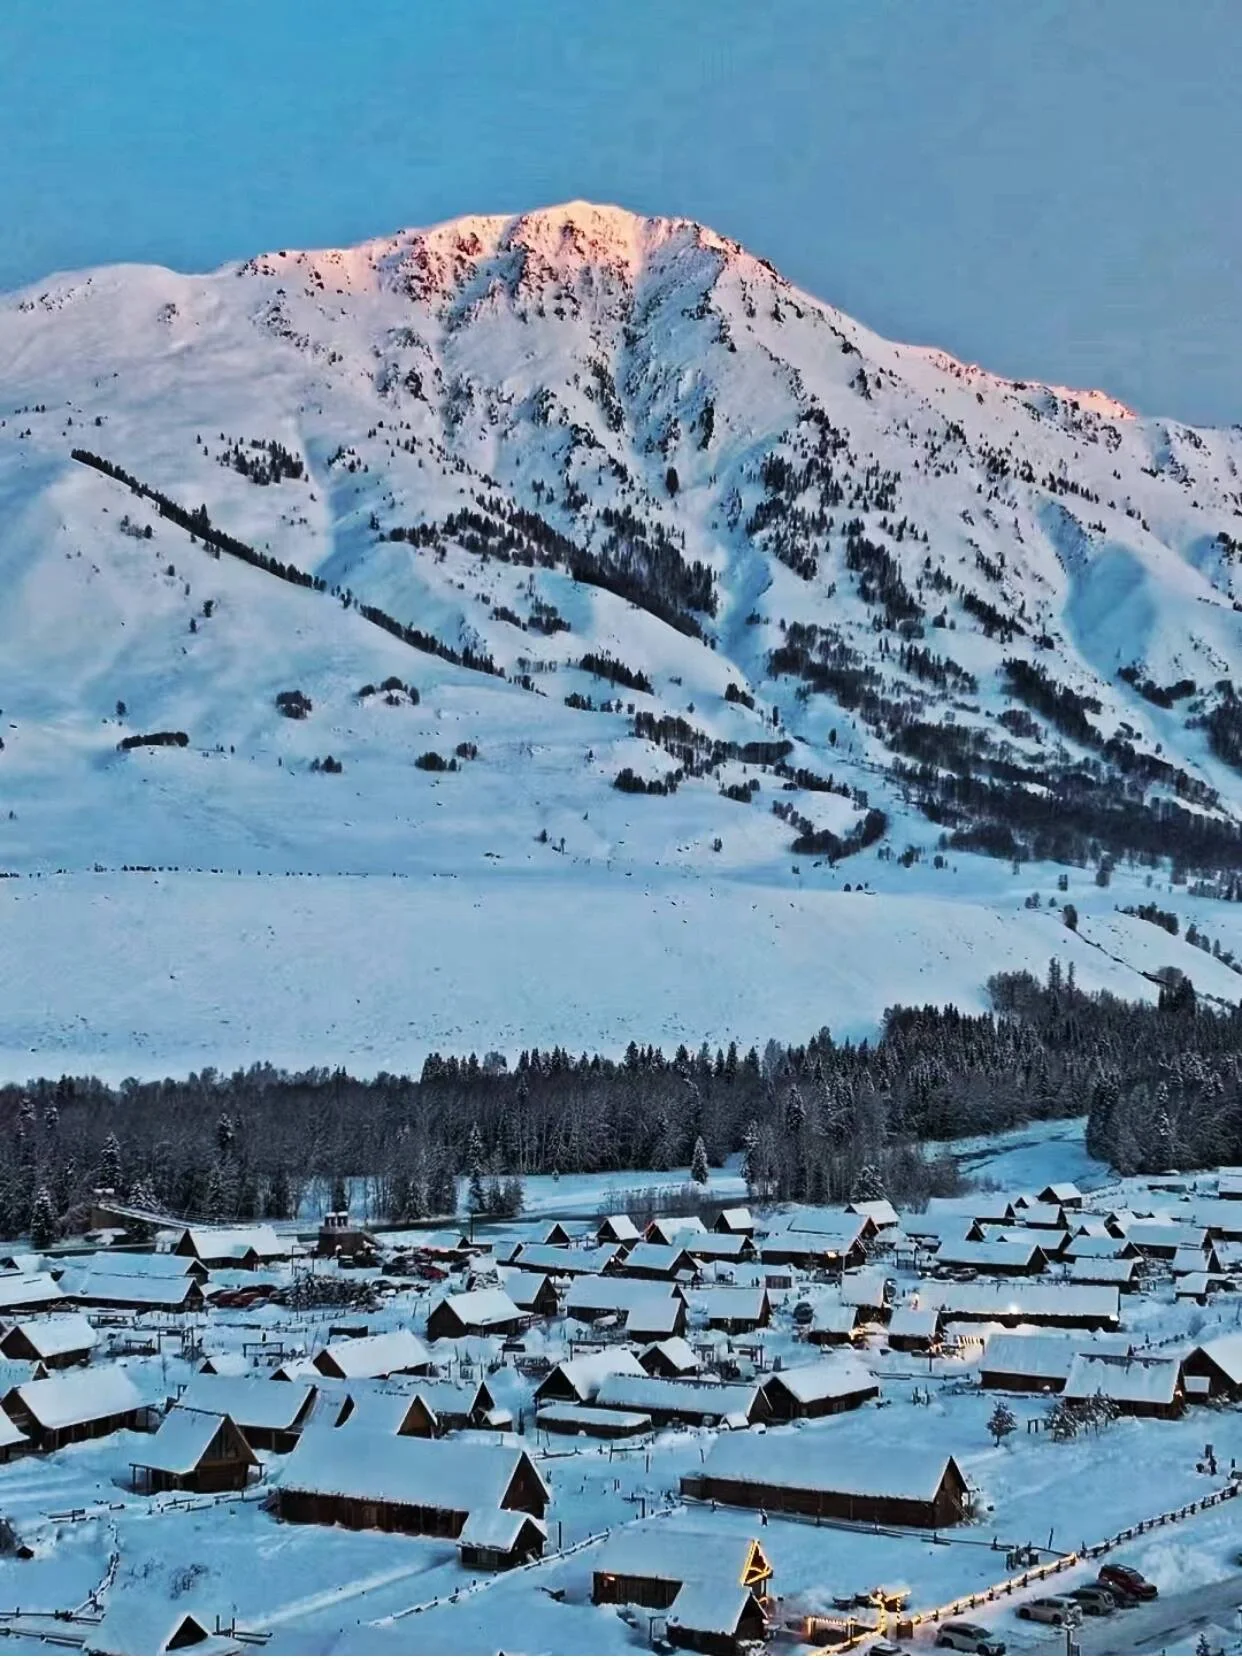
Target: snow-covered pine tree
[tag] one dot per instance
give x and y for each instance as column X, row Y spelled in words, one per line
column 110, row 1169
column 1001, row 1423
column 43, row 1221
column 699, row 1171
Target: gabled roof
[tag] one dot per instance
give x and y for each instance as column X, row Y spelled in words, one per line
column 1031, row 1298
column 28, row 1290
column 523, row 1286
column 914, row 1322
column 1149, row 1381
column 598, row 1291
column 58, row 1334
column 586, row 1372
column 1103, row 1270
column 1060, row 1193
column 661, row 1315
column 837, row 1319
column 181, row 1442
column 988, row 1253
column 144, row 1264
column 647, row 1550
column 564, row 1259
column 455, row 1475
column 715, row 1606
column 865, row 1287
column 659, row 1259
column 10, row 1435
column 210, row 1243
column 623, row 1228
column 826, row 1380
column 498, row 1529
column 133, row 1290
column 730, row 1302
column 138, row 1623
column 1161, row 1235
column 674, row 1228
column 378, row 1355
column 676, row 1351
column 1099, row 1246
column 251, row 1402
column 737, row 1217
column 881, row 1211
column 780, row 1459
column 1226, row 1352
column 449, row 1398
column 375, row 1412
column 692, row 1396
column 491, row 1306
column 82, row 1397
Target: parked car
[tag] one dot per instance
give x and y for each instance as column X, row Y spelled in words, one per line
column 884, row 1645
column 1094, row 1599
column 1121, row 1597
column 968, row 1638
column 1130, row 1579
column 1051, row 1611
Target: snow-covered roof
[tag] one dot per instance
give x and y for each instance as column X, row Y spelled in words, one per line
column 622, row 1227
column 825, row 1380
column 1161, row 1235
column 865, row 1287
column 563, row 1415
column 914, row 1322
column 659, row 1315
column 586, row 1372
column 378, row 1355
column 737, row 1217
column 1191, row 1285
column 836, row 1318
column 709, row 1605
column 497, row 1529
column 676, row 1351
column 522, row 1285
column 1033, row 1214
column 28, row 1290
column 10, row 1435
column 1035, row 1356
column 1188, row 1260
column 491, row 1306
column 1146, row 1381
column 781, row 1460
column 132, row 1290
column 986, row 1253
column 145, row 1264
column 1102, row 1245
column 692, row 1396
column 672, row 1228
column 648, row 1550
column 564, row 1259
column 455, row 1475
column 252, row 1403
column 730, row 1302
column 227, row 1363
column 179, row 1444
column 81, row 1397
column 1103, row 1270
column 58, row 1334
column 800, row 1229
column 1226, row 1352
column 1223, row 1215
column 376, row 1412
column 448, row 1396
column 211, row 1243
column 660, row 1259
column 880, row 1211
column 709, row 1247
column 138, row 1623
column 597, row 1291
column 1061, row 1193
column 1025, row 1297
column 1047, row 1239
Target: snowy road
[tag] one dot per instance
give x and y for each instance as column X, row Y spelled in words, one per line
column 1171, row 1625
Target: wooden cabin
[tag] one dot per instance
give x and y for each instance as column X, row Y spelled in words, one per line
column 717, row 1618
column 734, row 1219
column 494, row 1540
column 602, row 1422
column 457, row 1405
column 684, row 1400
column 486, row 1313
column 532, row 1292
column 1214, row 1369
column 651, row 1319
column 26, row 1294
column 163, row 1294
column 618, row 1230
column 556, row 1233
column 12, row 1440
column 648, row 1261
column 1029, row 1303
column 78, row 1405
column 833, row 1323
column 914, row 1330
column 380, row 1412
column 733, row 1309
column 1138, row 1386
column 404, row 1484
column 138, row 1624
column 820, row 1390
column 381, row 1355
column 674, row 1230
column 195, row 1452
column 246, row 1247
column 579, row 1379
column 649, row 1566
column 670, row 1358
column 269, row 1414
column 58, row 1341
column 909, row 1488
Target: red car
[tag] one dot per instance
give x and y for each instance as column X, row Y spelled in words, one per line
column 1129, row 1579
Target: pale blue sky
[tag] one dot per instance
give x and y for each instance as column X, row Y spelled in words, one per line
column 1049, row 187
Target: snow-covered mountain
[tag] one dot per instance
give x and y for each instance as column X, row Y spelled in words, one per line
column 575, row 497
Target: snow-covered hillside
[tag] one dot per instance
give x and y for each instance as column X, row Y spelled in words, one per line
column 920, row 610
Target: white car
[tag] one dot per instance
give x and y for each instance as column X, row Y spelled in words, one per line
column 968, row 1638
column 1051, row 1611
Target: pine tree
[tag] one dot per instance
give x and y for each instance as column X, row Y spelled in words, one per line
column 110, row 1169
column 868, row 1184
column 1001, row 1423
column 216, row 1202
column 699, row 1171
column 750, row 1144
column 43, row 1222
column 475, row 1160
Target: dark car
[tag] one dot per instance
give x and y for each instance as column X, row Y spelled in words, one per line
column 1119, row 1594
column 1094, row 1599
column 1129, row 1579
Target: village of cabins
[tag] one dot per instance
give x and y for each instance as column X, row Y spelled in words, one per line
column 716, row 1431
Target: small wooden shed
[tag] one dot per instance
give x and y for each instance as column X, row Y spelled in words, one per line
column 197, row 1452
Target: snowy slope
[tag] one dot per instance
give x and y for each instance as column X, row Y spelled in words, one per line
column 572, row 432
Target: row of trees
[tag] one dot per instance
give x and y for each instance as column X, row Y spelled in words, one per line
column 824, row 1121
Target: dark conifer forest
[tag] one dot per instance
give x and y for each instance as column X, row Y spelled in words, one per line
column 824, row 1121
